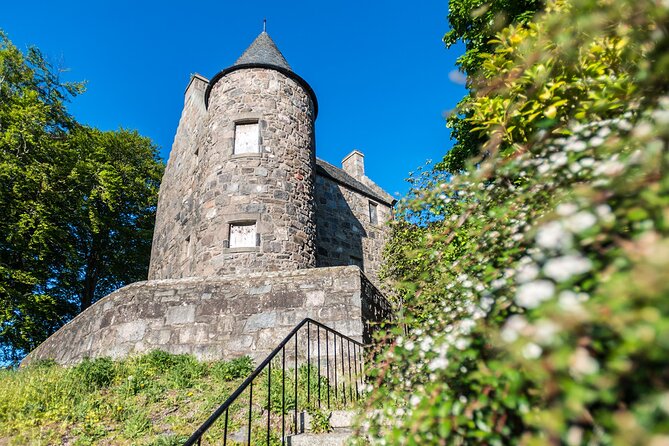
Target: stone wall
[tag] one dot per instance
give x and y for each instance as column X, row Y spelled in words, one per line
column 176, row 201
column 344, row 233
column 217, row 317
column 201, row 197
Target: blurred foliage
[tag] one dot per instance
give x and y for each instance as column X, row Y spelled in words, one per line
column 476, row 23
column 78, row 204
column 533, row 286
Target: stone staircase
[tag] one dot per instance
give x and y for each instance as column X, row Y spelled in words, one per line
column 341, row 424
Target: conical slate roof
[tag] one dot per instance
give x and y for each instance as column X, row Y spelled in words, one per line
column 264, row 51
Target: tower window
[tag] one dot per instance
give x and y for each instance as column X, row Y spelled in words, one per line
column 373, row 214
column 243, row 235
column 247, row 138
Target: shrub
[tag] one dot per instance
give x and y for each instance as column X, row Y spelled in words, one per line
column 535, row 287
column 96, row 373
column 230, row 370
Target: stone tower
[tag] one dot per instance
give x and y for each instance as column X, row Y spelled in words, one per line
column 238, row 191
column 253, row 232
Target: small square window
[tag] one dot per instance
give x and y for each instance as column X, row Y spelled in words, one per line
column 243, row 235
column 247, row 138
column 373, row 215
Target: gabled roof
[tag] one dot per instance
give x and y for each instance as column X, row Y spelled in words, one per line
column 340, row 176
column 264, row 51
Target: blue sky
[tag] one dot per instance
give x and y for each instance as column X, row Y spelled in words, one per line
column 379, row 69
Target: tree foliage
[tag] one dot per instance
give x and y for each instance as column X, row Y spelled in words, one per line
column 77, row 203
column 475, row 23
column 535, row 288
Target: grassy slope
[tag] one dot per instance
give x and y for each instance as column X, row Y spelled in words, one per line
column 154, row 399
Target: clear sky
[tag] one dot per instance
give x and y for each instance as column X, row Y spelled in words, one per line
column 379, row 68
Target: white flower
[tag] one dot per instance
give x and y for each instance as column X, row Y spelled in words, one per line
column 409, row 346
column 574, row 436
column 563, row 268
column 625, row 125
column 497, row 284
column 661, row 117
column 532, row 294
column 596, row 141
column 531, row 351
column 438, row 363
column 544, row 331
column 552, row 235
column 512, row 328
column 576, row 146
column 643, row 129
column 609, row 168
column 466, row 325
column 587, row 162
column 570, row 301
column 559, row 159
column 486, row 303
column 581, row 363
column 414, row 400
column 580, row 222
column 527, row 273
column 604, row 132
column 566, row 209
column 426, row 343
column 543, row 168
column 461, row 343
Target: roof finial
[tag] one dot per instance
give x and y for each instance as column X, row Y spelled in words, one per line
column 264, row 25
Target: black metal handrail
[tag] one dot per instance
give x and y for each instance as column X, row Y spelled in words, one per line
column 336, row 375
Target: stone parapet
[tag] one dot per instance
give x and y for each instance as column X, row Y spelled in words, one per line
column 217, row 317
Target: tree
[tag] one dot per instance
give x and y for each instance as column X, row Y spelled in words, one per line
column 115, row 181
column 77, row 203
column 475, row 23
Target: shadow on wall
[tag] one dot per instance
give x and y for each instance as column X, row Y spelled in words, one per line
column 339, row 233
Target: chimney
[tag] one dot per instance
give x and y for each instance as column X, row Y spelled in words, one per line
column 196, row 88
column 354, row 164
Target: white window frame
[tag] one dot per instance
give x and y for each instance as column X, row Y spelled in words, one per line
column 246, row 148
column 233, row 242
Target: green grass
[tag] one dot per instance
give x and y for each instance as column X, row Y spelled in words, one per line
column 153, row 399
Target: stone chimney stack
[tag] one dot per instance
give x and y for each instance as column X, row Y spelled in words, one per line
column 354, row 164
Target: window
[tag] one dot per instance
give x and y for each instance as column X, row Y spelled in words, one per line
column 247, row 138
column 243, row 235
column 373, row 215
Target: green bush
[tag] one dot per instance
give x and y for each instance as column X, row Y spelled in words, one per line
column 96, row 373
column 534, row 285
column 229, row 370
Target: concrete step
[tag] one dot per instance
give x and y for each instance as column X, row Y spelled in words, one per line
column 338, row 437
column 338, row 419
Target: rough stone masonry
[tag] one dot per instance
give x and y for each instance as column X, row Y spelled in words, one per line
column 253, row 232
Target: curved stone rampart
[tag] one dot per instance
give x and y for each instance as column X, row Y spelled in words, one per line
column 217, row 317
